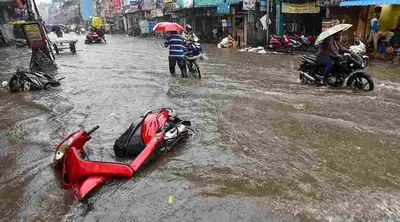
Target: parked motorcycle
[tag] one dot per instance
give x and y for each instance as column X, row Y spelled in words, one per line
column 281, row 42
column 350, row 67
column 25, row 80
column 302, row 41
column 195, row 51
column 154, row 133
column 360, row 49
column 93, row 37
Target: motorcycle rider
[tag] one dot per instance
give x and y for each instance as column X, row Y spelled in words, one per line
column 189, row 34
column 329, row 49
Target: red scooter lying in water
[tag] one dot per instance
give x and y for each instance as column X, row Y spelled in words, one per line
column 154, row 133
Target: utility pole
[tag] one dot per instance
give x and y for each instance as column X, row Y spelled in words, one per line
column 31, row 15
column 267, row 21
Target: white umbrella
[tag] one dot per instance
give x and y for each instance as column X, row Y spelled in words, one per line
column 331, row 31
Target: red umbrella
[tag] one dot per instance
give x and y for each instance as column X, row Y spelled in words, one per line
column 167, row 27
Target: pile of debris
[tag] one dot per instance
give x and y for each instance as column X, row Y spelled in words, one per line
column 258, row 49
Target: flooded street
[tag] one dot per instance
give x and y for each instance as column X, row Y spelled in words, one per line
column 266, row 147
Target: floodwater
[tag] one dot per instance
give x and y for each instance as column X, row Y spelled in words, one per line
column 266, row 147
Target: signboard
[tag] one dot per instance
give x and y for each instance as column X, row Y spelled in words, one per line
column 148, row 5
column 327, row 23
column 187, row 4
column 224, row 23
column 34, row 35
column 249, row 4
column 300, row 8
column 33, row 32
column 223, row 8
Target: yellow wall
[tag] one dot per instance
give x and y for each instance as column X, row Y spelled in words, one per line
column 389, row 17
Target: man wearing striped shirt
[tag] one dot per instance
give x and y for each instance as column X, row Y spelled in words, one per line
column 177, row 48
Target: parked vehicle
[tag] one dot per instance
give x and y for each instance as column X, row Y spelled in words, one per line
column 154, row 133
column 350, row 68
column 281, row 42
column 302, row 41
column 79, row 30
column 360, row 49
column 25, row 80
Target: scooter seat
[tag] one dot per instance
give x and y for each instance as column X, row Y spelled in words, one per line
column 76, row 170
column 310, row 59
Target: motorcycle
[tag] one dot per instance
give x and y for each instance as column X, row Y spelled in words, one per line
column 79, row 30
column 303, row 41
column 154, row 133
column 24, row 80
column 283, row 42
column 360, row 49
column 350, row 67
column 195, row 51
column 94, row 37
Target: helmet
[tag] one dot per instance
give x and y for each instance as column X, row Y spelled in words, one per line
column 188, row 28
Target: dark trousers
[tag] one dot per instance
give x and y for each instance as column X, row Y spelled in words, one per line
column 328, row 63
column 181, row 64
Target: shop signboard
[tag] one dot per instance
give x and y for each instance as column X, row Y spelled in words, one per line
column 327, row 23
column 148, row 5
column 223, row 8
column 224, row 23
column 249, row 4
column 300, row 8
column 34, row 35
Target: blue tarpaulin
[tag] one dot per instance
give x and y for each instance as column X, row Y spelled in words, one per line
column 369, row 2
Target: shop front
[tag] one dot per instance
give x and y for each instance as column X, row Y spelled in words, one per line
column 300, row 16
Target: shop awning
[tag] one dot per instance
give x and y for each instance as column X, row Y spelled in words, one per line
column 369, row 2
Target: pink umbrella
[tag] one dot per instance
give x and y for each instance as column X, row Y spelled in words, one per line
column 167, row 27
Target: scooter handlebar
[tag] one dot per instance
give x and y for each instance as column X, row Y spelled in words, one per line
column 91, row 130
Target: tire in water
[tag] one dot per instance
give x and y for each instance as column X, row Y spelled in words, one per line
column 359, row 81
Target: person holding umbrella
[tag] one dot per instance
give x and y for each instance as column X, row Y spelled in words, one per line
column 177, row 50
column 329, row 47
column 177, row 46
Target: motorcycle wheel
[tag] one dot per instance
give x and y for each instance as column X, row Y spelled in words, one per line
column 289, row 49
column 360, row 82
column 197, row 70
column 26, row 86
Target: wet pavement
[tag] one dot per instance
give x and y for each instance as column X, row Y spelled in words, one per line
column 266, row 148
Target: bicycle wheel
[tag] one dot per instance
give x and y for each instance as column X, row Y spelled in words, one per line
column 197, row 73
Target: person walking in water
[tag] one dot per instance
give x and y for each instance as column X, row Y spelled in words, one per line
column 374, row 34
column 177, row 50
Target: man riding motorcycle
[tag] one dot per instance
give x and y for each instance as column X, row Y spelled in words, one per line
column 328, row 50
column 189, row 35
